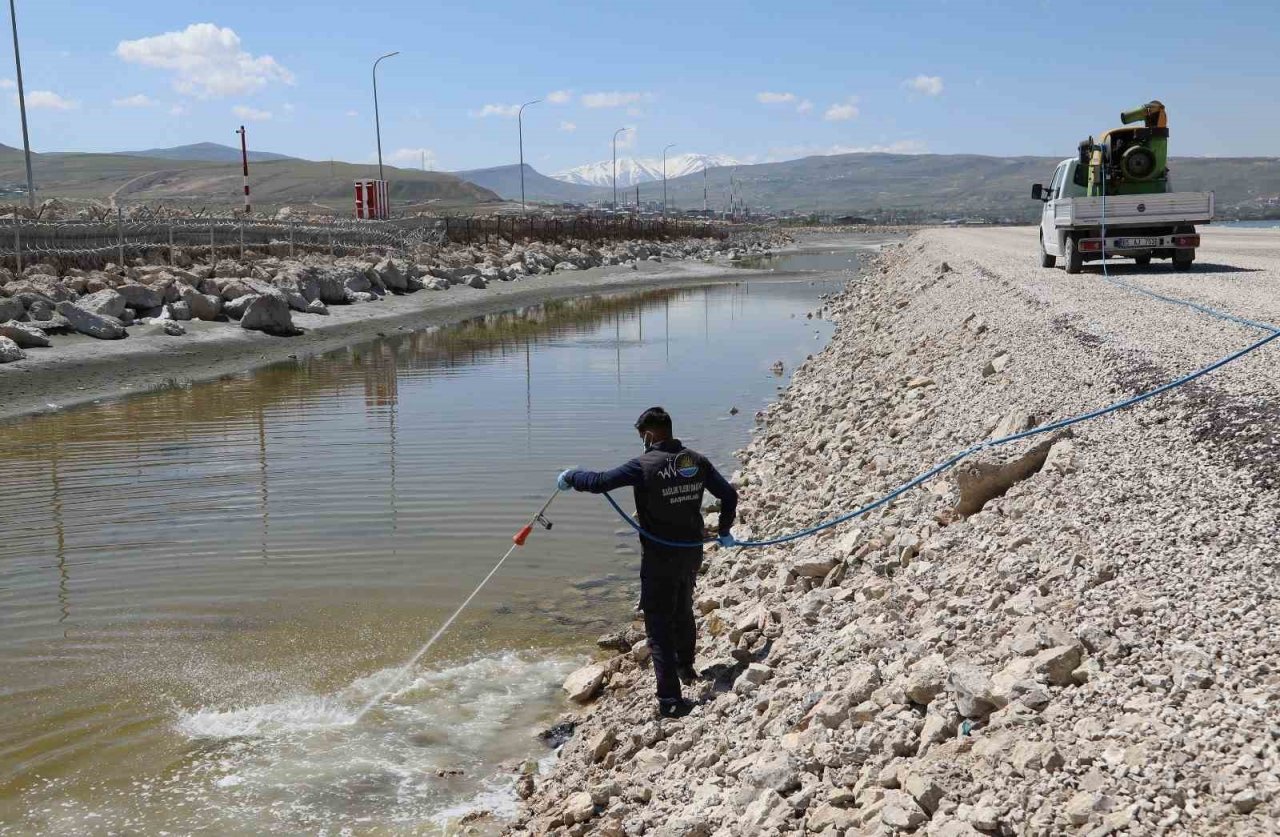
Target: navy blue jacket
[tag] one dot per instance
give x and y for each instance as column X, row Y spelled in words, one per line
column 668, row 480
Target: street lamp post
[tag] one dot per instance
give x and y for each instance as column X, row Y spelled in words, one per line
column 377, row 122
column 615, row 166
column 22, row 107
column 520, row 127
column 664, row 180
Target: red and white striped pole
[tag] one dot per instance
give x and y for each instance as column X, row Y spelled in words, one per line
column 244, row 157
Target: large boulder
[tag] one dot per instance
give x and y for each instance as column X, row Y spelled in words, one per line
column 94, row 325
column 12, row 309
column 268, row 313
column 176, row 311
column 25, row 335
column 455, row 275
column 203, row 306
column 104, row 303
column 357, row 282
column 926, row 679
column 391, row 275
column 973, row 690
column 235, row 308
column 46, row 286
column 140, row 297
column 307, row 285
column 229, row 269
column 331, row 286
column 9, row 351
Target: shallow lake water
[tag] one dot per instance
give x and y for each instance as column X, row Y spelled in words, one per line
column 200, row 586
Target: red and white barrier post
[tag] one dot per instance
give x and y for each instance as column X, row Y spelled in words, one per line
column 244, row 159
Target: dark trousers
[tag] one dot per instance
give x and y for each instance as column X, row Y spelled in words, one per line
column 666, row 596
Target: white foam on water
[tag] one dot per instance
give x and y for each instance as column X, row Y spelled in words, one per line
column 297, row 714
column 306, row 761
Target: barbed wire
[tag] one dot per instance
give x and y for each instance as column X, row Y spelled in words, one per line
column 24, row 241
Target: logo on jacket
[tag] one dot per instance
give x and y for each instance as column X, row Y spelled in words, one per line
column 686, row 465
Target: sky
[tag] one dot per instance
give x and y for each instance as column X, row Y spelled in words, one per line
column 754, row 81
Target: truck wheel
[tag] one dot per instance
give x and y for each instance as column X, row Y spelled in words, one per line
column 1142, row 261
column 1045, row 259
column 1182, row 259
column 1074, row 262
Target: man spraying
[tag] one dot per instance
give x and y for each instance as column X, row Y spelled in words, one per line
column 668, row 480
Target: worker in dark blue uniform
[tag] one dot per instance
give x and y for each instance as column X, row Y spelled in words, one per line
column 668, row 480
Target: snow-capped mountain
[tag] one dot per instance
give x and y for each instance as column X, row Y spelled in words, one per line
column 632, row 170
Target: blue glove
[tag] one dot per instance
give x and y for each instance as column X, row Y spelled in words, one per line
column 562, row 481
column 727, row 541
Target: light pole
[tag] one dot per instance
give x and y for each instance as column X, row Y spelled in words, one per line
column 22, row 107
column 377, row 122
column 615, row 166
column 520, row 127
column 664, row 180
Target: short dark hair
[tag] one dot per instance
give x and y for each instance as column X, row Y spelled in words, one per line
column 654, row 418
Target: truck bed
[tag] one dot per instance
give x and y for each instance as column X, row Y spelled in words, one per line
column 1135, row 210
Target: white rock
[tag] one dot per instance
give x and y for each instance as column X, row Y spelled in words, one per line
column 9, row 351
column 585, row 683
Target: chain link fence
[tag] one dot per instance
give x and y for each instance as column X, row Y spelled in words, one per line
column 91, row 244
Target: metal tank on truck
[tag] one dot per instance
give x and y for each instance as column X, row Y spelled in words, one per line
column 1114, row 199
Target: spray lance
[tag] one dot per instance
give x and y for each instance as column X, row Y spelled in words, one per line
column 517, row 540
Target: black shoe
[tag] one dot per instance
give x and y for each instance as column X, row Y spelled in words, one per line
column 675, row 708
column 687, row 675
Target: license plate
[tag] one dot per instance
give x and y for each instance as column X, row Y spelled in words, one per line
column 1137, row 242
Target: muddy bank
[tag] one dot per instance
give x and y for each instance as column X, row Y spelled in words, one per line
column 1089, row 648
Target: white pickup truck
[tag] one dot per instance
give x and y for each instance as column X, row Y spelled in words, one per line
column 1140, row 227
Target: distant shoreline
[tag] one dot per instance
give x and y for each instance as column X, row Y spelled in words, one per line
column 77, row 369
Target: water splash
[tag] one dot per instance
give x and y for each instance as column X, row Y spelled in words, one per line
column 299, row 714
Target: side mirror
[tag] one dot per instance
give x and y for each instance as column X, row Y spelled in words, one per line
column 1037, row 192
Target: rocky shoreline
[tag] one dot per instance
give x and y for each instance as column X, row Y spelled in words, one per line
column 1084, row 643
column 62, row 331
column 261, row 291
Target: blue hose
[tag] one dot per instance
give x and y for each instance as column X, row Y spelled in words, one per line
column 1273, row 332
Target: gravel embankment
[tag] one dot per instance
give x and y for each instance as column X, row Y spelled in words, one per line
column 1093, row 652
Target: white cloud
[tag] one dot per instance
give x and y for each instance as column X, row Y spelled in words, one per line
column 767, row 98
column 804, row 107
column 353, row 113
column 8, row 84
column 139, row 100
column 636, row 112
column 614, row 99
column 568, row 127
column 206, row 61
column 178, row 110
column 559, row 97
column 928, row 85
column 496, row 110
column 251, row 114
column 48, row 100
column 843, row 111
column 412, row 158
